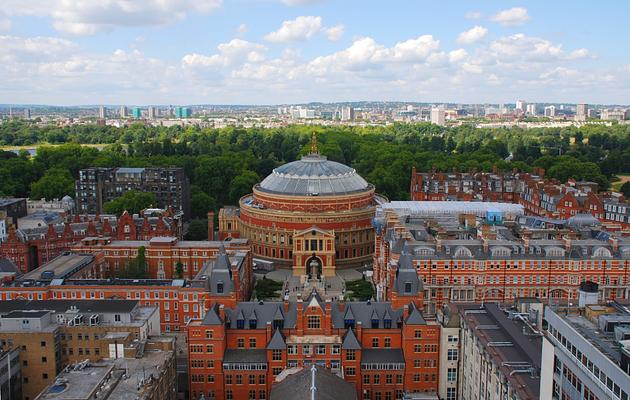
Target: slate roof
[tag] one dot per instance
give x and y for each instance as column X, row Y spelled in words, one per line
column 6, row 265
column 243, row 356
column 415, row 316
column 212, row 317
column 265, row 312
column 221, row 273
column 83, row 306
column 277, row 341
column 350, row 341
column 382, row 356
column 328, row 386
column 363, row 311
column 406, row 274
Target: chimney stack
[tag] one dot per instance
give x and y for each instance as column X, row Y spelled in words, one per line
column 210, row 225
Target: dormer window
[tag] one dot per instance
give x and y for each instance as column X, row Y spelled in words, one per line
column 407, row 287
column 252, row 324
column 278, row 324
column 375, row 323
column 240, row 324
column 387, row 323
column 348, row 323
column 220, row 287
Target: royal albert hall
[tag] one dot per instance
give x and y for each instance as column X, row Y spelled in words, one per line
column 312, row 215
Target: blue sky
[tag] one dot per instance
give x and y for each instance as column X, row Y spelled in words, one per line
column 289, row 51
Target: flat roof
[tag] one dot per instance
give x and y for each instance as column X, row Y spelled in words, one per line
column 504, row 341
column 61, row 266
column 428, row 208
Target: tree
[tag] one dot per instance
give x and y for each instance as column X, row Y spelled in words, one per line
column 179, row 269
column 267, row 289
column 242, row 185
column 625, row 189
column 197, row 230
column 201, row 203
column 135, row 268
column 132, row 201
column 55, row 184
column 360, row 289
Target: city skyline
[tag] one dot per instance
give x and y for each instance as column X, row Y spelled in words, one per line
column 300, row 51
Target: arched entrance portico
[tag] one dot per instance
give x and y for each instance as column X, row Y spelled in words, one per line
column 314, row 267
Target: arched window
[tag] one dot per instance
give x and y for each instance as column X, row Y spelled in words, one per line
column 462, row 252
column 602, row 252
column 423, row 251
column 554, row 252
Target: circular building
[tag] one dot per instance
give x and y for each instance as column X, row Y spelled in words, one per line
column 312, row 215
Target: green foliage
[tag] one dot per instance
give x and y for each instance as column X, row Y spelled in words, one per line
column 625, row 189
column 135, row 268
column 201, row 203
column 132, row 201
column 179, row 269
column 55, row 184
column 360, row 289
column 197, row 230
column 267, row 289
column 223, row 164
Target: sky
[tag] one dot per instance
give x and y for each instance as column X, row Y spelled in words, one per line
column 141, row 52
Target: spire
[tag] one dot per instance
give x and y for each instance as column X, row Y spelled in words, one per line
column 314, row 143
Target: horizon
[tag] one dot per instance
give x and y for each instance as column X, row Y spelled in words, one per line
column 283, row 52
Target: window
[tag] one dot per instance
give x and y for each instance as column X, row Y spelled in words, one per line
column 117, row 317
column 416, row 377
column 306, row 349
column 351, row 355
column 451, row 375
column 44, row 376
column 351, row 371
column 377, row 379
column 228, row 379
column 262, row 395
column 276, row 355
column 292, row 349
column 389, row 379
column 388, row 343
column 313, row 322
column 252, row 379
column 240, row 343
column 417, row 348
column 451, row 394
column 452, row 354
column 252, row 395
column 252, row 343
column 276, row 370
column 239, row 379
column 43, row 344
column 417, row 334
column 452, row 339
column 229, row 395
column 208, row 334
column 209, row 348
column 366, row 379
column 336, row 349
column 44, row 359
column 321, row 349
column 416, row 363
column 261, row 379
column 374, row 342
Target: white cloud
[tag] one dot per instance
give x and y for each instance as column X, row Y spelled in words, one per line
column 473, row 15
column 87, row 17
column 299, row 29
column 334, row 33
column 472, row 35
column 230, row 53
column 39, row 48
column 520, row 47
column 5, row 23
column 458, row 55
column 241, row 30
column 513, row 16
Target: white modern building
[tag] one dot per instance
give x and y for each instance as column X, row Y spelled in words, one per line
column 438, row 116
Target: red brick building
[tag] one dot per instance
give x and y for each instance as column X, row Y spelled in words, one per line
column 30, row 248
column 385, row 351
column 311, row 215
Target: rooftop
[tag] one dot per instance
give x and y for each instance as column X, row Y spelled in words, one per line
column 302, row 382
column 62, row 266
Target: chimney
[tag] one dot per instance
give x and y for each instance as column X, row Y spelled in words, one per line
column 210, row 225
column 405, row 312
column 614, row 242
column 268, row 330
column 286, row 304
column 359, row 331
column 222, row 312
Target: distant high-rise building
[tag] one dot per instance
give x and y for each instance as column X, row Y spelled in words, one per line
column 437, row 116
column 581, row 112
column 591, row 113
column 136, row 112
column 531, row 109
column 550, row 111
column 123, row 112
column 27, row 113
column 614, row 115
column 102, row 112
column 520, row 105
column 347, row 114
column 152, row 112
column 183, row 112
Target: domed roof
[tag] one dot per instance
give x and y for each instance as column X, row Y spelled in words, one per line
column 313, row 175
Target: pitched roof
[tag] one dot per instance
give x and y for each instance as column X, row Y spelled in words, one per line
column 382, row 356
column 245, row 356
column 211, row 317
column 327, row 386
column 350, row 341
column 265, row 312
column 277, row 341
column 363, row 311
column 6, row 265
column 415, row 316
